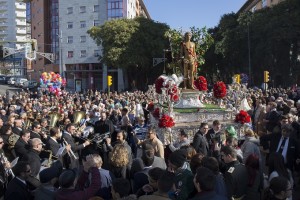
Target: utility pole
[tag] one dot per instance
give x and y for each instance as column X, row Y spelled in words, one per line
column 61, row 70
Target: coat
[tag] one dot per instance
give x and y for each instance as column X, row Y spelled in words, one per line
column 33, row 158
column 17, row 190
column 209, row 195
column 21, row 148
column 82, row 194
column 200, row 143
column 271, row 142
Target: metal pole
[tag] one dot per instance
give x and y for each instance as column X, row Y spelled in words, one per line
column 60, row 55
column 249, row 54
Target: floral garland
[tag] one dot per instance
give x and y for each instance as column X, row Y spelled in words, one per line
column 159, row 84
column 219, row 90
column 166, row 122
column 173, row 92
column 242, row 117
column 201, row 83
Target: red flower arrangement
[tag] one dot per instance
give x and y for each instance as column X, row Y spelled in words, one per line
column 201, row 83
column 159, row 84
column 156, row 113
column 173, row 92
column 242, row 117
column 166, row 122
column 219, row 90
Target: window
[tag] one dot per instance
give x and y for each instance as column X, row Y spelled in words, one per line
column 70, row 54
column 70, row 25
column 96, row 22
column 96, row 8
column 82, row 9
column 70, row 10
column 83, row 53
column 82, row 24
column 70, row 39
column 97, row 53
column 83, row 38
column 264, row 3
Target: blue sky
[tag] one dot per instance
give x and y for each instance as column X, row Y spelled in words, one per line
column 188, row 13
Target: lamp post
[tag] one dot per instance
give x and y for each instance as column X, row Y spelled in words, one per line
column 61, row 72
column 249, row 52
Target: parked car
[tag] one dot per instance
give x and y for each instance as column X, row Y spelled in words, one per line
column 11, row 81
column 30, row 84
column 2, row 80
column 19, row 82
column 7, row 79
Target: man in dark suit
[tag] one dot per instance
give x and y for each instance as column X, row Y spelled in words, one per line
column 200, row 142
column 21, row 147
column 284, row 144
column 53, row 142
column 272, row 117
column 18, row 127
column 104, row 125
column 68, row 138
column 37, row 132
column 32, row 157
column 17, row 187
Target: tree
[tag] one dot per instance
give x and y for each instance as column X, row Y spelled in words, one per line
column 131, row 44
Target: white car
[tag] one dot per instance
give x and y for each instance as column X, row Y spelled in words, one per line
column 11, row 81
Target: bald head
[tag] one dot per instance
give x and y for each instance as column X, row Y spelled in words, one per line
column 36, row 144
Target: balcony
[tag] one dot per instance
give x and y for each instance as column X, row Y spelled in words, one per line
column 3, row 24
column 20, row 6
column 3, row 8
column 21, row 14
column 3, row 16
column 21, row 22
column 21, row 31
column 3, row 32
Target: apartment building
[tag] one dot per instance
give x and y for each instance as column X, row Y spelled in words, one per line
column 13, row 34
column 45, row 29
column 60, row 27
column 253, row 5
column 80, row 53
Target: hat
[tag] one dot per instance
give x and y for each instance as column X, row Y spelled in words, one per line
column 231, row 131
column 48, row 174
column 67, row 178
column 178, row 157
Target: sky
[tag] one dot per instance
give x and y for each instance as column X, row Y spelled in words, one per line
column 188, row 13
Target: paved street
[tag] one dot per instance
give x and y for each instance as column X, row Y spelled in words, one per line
column 12, row 90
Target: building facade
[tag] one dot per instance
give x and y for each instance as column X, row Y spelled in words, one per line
column 13, row 34
column 44, row 28
column 253, row 5
column 80, row 53
column 60, row 27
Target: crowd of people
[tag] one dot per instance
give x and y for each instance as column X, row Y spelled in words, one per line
column 46, row 152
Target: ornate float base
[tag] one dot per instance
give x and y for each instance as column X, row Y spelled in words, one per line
column 189, row 99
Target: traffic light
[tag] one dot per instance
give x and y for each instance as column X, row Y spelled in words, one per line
column 237, row 78
column 266, row 76
column 109, row 80
column 34, row 46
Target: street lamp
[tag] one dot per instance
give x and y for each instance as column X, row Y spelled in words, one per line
column 249, row 52
column 61, row 72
